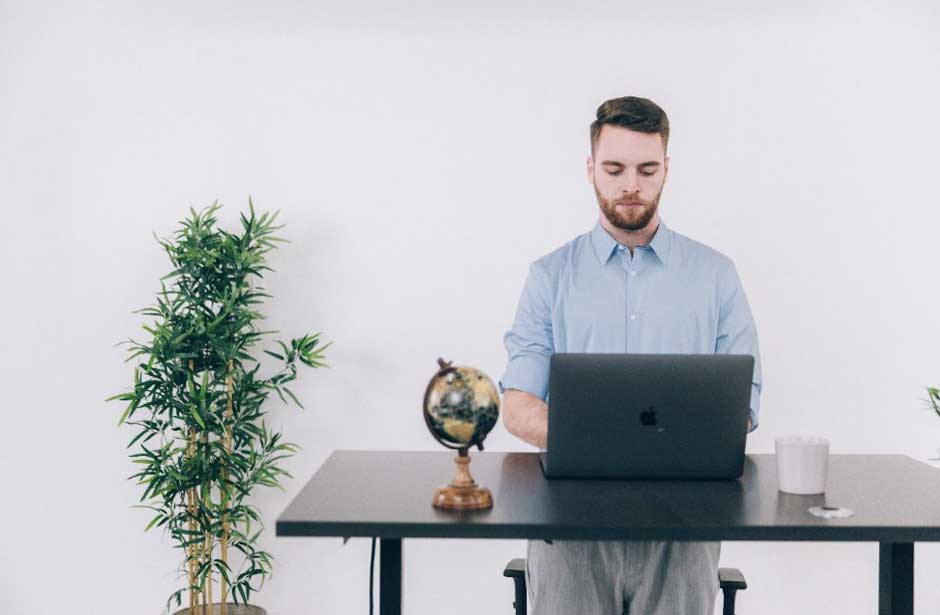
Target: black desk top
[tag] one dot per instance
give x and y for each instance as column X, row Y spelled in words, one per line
column 388, row 494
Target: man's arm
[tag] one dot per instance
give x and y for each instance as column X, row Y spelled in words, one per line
column 526, row 417
column 737, row 334
column 529, row 345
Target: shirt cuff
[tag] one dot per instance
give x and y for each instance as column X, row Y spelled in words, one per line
column 526, row 373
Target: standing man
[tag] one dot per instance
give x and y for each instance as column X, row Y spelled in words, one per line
column 631, row 284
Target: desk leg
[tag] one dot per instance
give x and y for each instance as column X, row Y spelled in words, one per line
column 390, row 576
column 896, row 578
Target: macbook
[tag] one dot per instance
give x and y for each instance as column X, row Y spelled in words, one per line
column 647, row 416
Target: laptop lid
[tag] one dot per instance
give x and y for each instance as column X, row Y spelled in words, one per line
column 647, row 416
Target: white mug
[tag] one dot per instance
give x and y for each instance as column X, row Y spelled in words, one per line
column 802, row 464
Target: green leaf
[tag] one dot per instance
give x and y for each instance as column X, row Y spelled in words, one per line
column 153, row 521
column 175, row 272
column 195, row 413
column 139, row 436
column 127, row 412
column 292, row 396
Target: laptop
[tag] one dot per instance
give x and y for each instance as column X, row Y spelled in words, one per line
column 647, row 416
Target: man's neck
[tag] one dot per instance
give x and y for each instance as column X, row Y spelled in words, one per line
column 632, row 239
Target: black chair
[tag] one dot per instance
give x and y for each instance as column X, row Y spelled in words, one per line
column 729, row 579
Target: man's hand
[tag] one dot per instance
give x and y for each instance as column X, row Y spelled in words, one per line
column 526, row 417
column 749, row 424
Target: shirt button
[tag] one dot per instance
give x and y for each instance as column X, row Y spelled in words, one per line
column 632, row 272
column 632, row 316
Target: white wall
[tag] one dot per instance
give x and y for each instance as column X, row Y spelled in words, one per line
column 421, row 158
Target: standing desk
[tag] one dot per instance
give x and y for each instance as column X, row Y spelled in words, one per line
column 387, row 494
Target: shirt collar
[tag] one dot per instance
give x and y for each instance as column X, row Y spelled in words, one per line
column 605, row 245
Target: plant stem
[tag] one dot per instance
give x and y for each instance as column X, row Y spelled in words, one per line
column 207, row 546
column 191, row 507
column 191, row 549
column 228, row 450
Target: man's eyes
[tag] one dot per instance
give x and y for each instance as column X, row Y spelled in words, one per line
column 647, row 173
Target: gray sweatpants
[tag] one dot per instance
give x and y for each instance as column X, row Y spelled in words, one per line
column 631, row 577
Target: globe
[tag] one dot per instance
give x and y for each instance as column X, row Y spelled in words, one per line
column 461, row 406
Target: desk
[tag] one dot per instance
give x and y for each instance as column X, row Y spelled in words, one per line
column 896, row 500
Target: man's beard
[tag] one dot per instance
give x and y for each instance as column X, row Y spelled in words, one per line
column 630, row 218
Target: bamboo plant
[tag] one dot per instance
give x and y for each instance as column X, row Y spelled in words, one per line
column 196, row 404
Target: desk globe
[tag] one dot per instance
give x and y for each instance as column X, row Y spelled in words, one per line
column 461, row 406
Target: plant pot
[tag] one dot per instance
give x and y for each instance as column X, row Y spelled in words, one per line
column 231, row 609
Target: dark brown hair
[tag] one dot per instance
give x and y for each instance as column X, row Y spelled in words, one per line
column 634, row 113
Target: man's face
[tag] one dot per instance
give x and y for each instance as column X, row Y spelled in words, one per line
column 628, row 171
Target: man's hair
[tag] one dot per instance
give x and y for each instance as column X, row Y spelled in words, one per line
column 634, row 113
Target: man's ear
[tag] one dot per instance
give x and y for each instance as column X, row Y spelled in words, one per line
column 665, row 169
column 590, row 169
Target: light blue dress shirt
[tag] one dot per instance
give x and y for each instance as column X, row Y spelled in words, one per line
column 674, row 295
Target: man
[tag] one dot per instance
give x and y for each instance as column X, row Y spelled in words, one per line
column 629, row 285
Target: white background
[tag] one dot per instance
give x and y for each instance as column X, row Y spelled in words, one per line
column 421, row 157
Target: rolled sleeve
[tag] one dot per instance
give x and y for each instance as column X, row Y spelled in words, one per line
column 528, row 342
column 737, row 334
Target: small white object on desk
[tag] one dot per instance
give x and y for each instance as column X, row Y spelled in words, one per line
column 802, row 464
column 831, row 512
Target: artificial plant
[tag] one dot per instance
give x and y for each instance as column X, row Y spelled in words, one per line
column 197, row 399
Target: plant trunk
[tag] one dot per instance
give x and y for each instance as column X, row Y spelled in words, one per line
column 191, row 549
column 209, row 576
column 228, row 449
column 191, row 508
column 207, row 545
column 194, row 550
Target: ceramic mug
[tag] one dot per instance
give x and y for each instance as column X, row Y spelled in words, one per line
column 802, row 464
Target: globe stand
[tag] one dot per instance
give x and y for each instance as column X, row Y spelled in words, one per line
column 462, row 493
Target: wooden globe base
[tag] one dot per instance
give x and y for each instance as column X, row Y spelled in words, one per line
column 462, row 498
column 462, row 493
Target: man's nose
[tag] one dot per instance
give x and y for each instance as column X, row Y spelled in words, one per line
column 631, row 183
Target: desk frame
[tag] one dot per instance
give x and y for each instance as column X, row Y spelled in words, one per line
column 905, row 509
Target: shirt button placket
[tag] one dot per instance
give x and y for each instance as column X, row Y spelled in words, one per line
column 630, row 315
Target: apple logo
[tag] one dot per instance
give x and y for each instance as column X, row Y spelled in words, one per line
column 648, row 417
